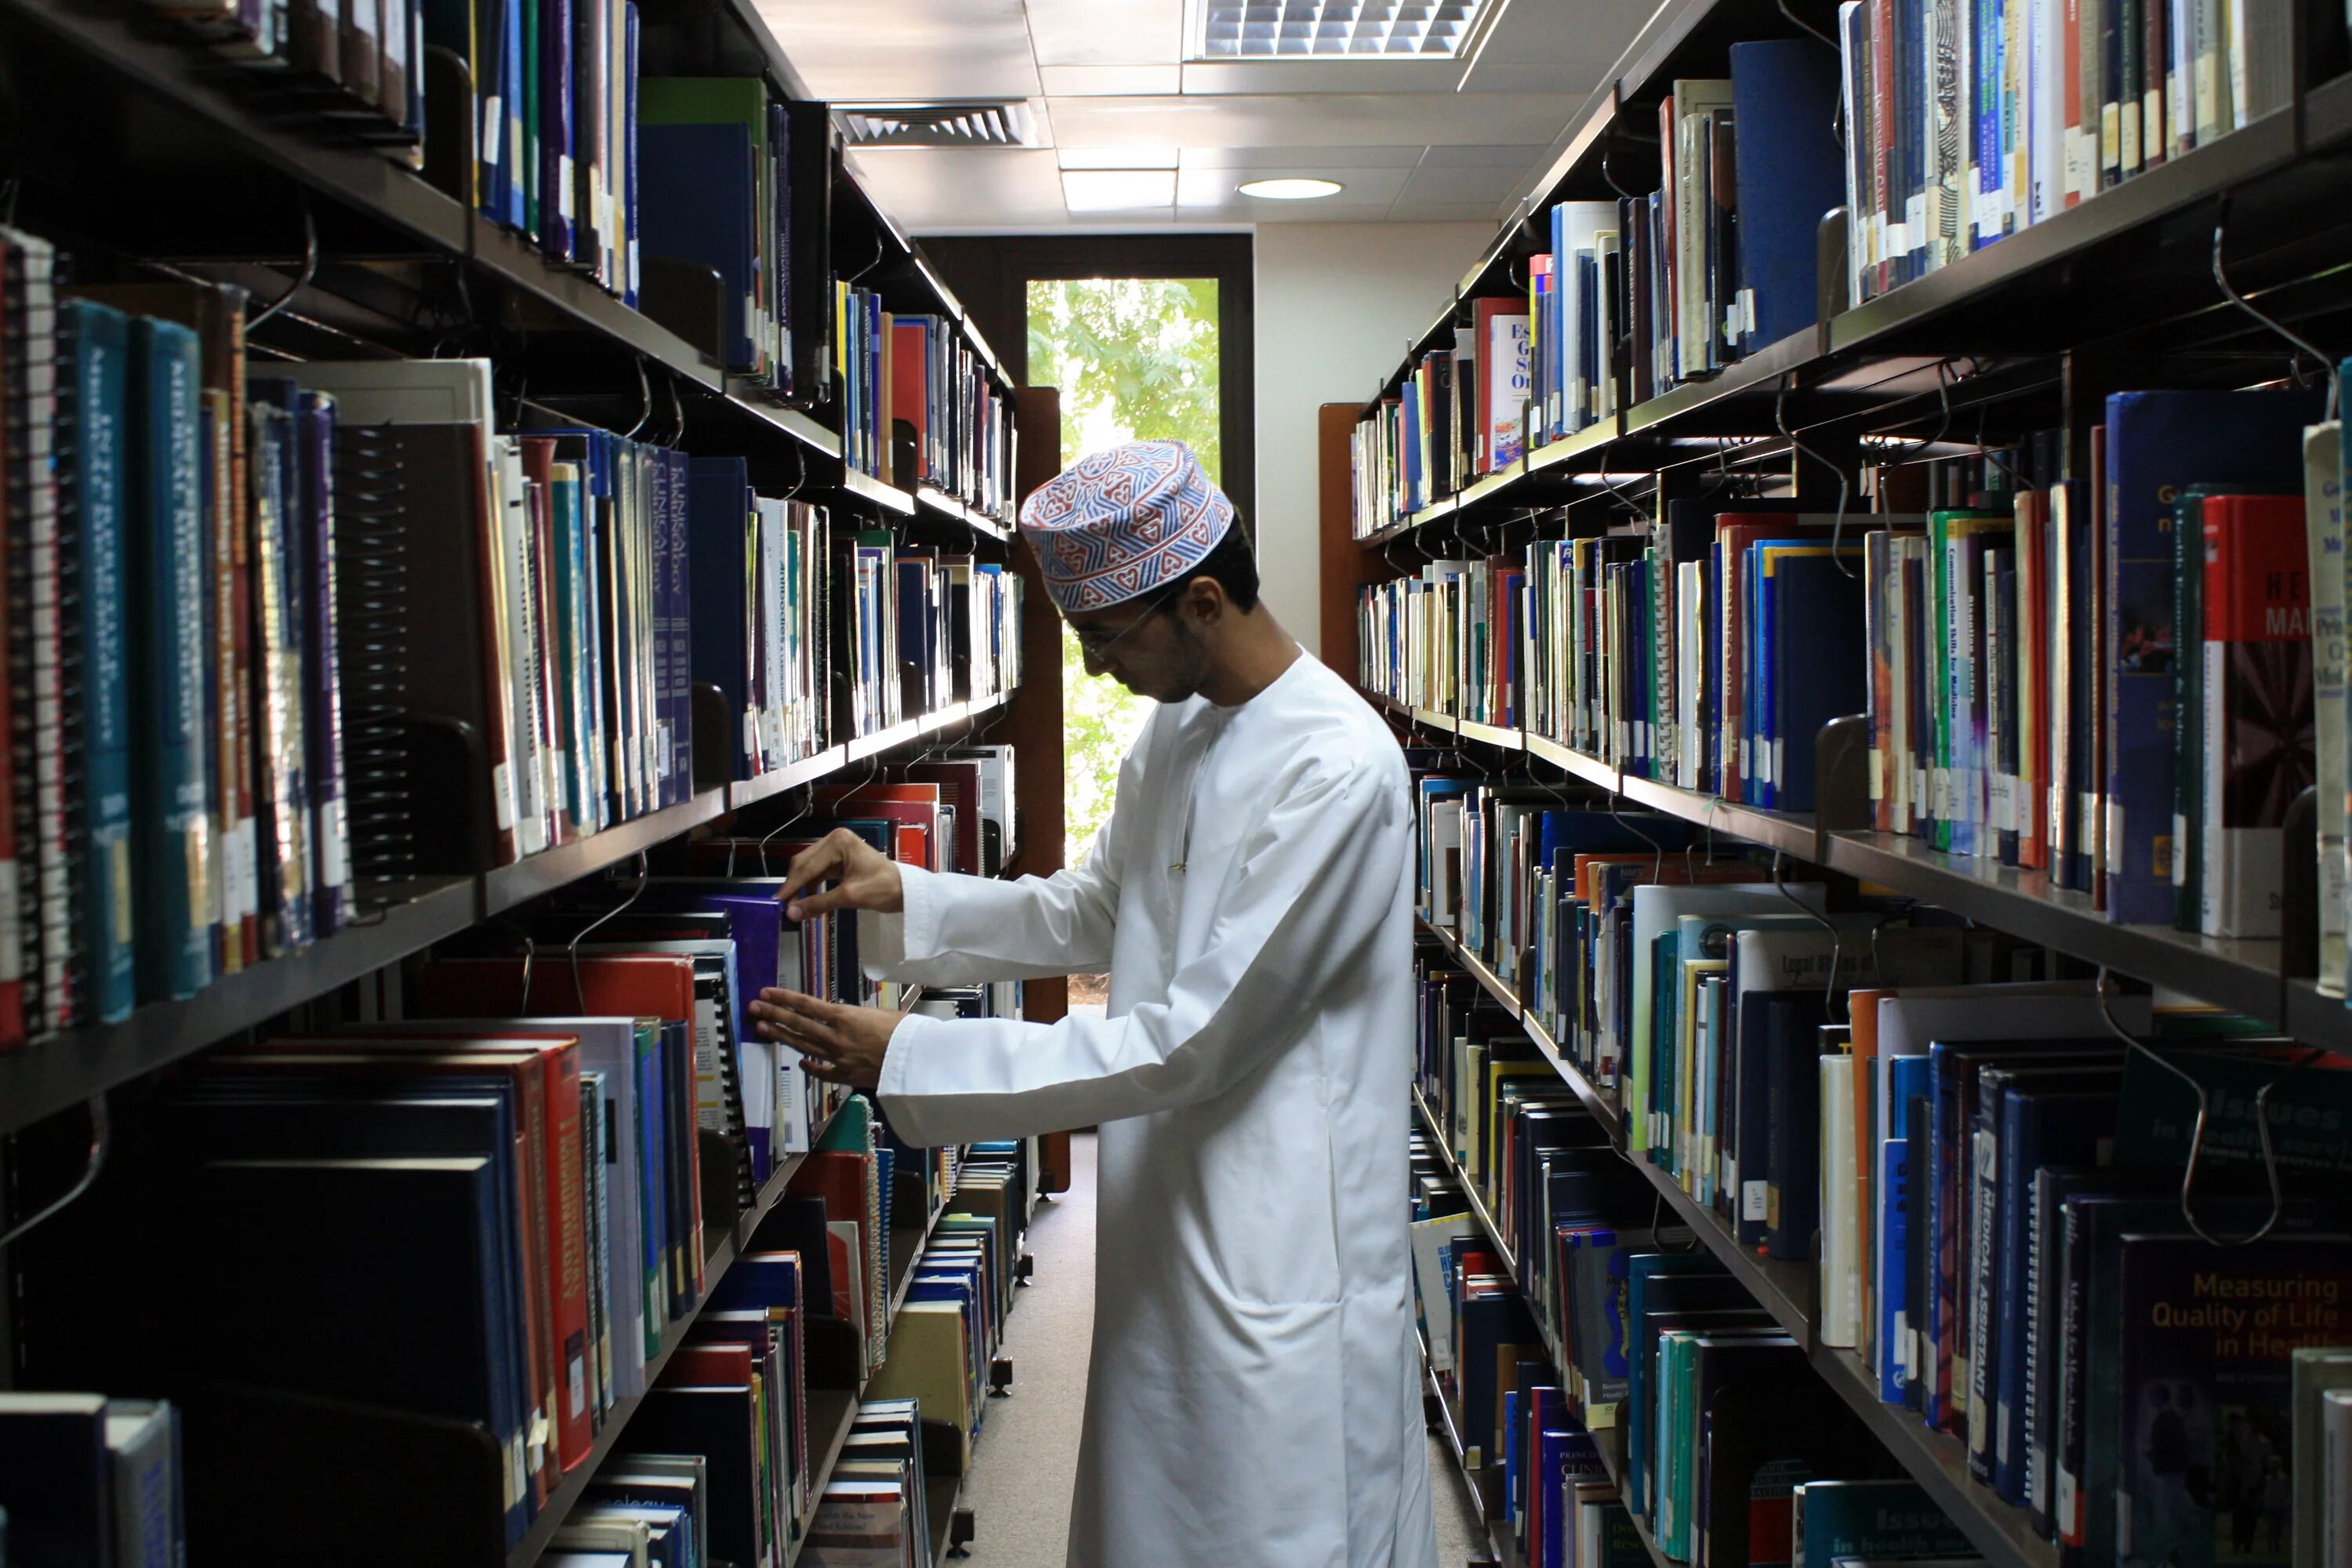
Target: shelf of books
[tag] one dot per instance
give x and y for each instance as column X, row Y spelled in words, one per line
column 459, row 470
column 1613, row 319
column 1881, row 826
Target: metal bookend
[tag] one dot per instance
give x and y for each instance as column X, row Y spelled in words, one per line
column 2197, row 1136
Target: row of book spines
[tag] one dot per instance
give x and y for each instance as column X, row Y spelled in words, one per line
column 360, row 66
column 911, row 369
column 2050, row 106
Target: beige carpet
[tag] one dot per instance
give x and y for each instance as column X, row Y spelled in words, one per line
column 1027, row 1454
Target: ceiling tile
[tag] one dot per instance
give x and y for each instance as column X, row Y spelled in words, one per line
column 1112, row 81
column 934, row 187
column 1554, row 46
column 1487, row 182
column 906, row 51
column 1403, row 120
column 1117, row 157
column 1289, row 157
column 1107, row 32
column 1411, row 208
column 1511, row 155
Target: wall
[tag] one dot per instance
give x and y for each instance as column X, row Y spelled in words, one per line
column 1336, row 303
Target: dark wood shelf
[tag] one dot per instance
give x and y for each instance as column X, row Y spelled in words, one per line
column 56, row 1074
column 2240, row 974
column 832, row 1413
column 565, row 864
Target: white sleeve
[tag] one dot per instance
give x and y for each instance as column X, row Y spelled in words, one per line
column 958, row 930
column 1316, row 883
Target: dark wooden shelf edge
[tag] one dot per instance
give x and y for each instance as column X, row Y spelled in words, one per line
column 544, row 872
column 1935, row 1460
column 55, row 1074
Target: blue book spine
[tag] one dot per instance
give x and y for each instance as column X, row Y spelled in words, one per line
column 1784, row 99
column 2159, row 443
column 167, row 555
column 1987, row 60
column 515, row 178
column 697, row 204
column 1891, row 1261
column 1819, row 668
column 101, row 338
column 721, row 565
column 655, row 471
column 1511, row 1461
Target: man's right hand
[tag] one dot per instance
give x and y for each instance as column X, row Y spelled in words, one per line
column 863, row 878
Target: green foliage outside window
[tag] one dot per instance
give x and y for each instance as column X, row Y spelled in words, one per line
column 1136, row 359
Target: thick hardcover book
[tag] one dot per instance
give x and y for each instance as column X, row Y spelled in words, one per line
column 91, row 504
column 2208, row 1334
column 2158, row 442
column 168, row 563
column 1784, row 95
column 1870, row 1520
column 287, row 1295
column 411, row 507
column 283, row 783
column 699, row 203
column 723, row 1424
column 2257, row 697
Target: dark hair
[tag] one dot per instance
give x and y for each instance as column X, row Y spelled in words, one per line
column 1234, row 567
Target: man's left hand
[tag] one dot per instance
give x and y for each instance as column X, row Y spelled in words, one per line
column 837, row 1043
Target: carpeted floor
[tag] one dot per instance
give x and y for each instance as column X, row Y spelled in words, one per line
column 1019, row 1489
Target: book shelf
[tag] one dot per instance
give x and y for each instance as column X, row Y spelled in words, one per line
column 146, row 155
column 2030, row 334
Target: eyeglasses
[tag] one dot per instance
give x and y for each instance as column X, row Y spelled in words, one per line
column 1096, row 645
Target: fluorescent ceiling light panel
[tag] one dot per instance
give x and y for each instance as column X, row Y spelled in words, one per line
column 1331, row 29
column 1118, row 157
column 1117, row 190
column 1290, row 190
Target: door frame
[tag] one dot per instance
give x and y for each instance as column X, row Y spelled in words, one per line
column 992, row 273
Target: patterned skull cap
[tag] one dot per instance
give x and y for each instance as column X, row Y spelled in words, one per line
column 1117, row 523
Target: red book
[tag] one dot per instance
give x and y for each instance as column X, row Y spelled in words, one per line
column 845, row 1179
column 911, row 386
column 2258, row 706
column 958, row 786
column 565, row 1195
column 653, row 986
column 717, row 1364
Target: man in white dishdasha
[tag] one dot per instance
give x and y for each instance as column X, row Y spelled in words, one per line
column 1254, row 1397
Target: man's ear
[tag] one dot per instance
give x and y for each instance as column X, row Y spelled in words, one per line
column 1204, row 599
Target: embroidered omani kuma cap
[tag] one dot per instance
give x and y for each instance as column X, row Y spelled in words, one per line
column 1117, row 523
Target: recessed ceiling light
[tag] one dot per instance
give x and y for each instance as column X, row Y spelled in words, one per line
column 1117, row 190
column 1290, row 190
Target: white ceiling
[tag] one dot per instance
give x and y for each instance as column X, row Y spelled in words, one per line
column 1410, row 140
